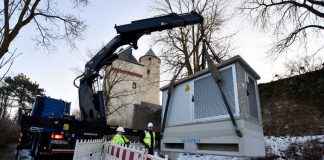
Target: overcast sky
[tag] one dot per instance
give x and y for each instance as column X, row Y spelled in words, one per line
column 54, row 72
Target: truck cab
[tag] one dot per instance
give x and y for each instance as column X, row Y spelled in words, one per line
column 47, row 130
column 50, row 129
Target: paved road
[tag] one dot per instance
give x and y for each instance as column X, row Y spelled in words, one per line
column 10, row 153
column 25, row 155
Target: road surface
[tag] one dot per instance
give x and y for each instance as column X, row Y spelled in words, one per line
column 10, row 153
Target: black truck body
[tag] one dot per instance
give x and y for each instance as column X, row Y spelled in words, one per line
column 50, row 129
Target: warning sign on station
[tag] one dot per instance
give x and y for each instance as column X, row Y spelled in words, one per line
column 187, row 88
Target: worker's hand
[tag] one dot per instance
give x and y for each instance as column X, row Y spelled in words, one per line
column 161, row 136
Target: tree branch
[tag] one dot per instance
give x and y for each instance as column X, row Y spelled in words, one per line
column 290, row 39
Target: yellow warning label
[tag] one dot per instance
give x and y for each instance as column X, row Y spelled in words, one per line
column 66, row 127
column 187, row 88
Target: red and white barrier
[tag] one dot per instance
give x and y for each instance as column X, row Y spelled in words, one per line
column 104, row 150
column 89, row 149
column 130, row 153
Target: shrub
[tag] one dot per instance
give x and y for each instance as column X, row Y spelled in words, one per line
column 9, row 133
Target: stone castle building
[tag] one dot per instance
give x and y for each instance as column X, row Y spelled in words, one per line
column 132, row 89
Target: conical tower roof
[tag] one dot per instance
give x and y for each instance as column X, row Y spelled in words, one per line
column 150, row 53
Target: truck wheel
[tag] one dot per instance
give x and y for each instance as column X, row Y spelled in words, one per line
column 34, row 147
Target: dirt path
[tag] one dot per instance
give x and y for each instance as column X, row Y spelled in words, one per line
column 8, row 153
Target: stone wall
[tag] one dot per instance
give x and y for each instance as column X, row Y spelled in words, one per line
column 145, row 113
column 293, row 106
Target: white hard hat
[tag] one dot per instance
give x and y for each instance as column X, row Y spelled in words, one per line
column 150, row 124
column 120, row 129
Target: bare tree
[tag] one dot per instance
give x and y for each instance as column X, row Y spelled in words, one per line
column 122, row 90
column 50, row 23
column 300, row 65
column 303, row 64
column 117, row 79
column 178, row 43
column 290, row 20
column 76, row 113
column 6, row 63
column 5, row 101
column 113, row 76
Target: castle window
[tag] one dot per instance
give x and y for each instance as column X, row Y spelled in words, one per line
column 150, row 58
column 134, row 85
column 148, row 72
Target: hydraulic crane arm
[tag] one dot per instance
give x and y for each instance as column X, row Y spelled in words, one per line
column 91, row 103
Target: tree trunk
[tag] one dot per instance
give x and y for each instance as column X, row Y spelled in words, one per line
column 3, row 51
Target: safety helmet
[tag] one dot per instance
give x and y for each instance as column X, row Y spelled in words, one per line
column 120, row 129
column 150, row 124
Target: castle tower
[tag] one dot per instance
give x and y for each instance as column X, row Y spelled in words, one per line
column 151, row 74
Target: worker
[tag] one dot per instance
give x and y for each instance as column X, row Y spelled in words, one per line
column 119, row 138
column 149, row 138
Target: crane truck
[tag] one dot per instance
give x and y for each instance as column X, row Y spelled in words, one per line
column 58, row 132
column 51, row 129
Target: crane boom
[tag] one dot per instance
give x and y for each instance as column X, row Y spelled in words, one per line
column 91, row 102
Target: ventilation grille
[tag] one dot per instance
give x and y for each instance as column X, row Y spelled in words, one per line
column 230, row 147
column 252, row 99
column 207, row 97
column 174, row 145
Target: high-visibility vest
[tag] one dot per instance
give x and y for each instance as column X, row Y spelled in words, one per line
column 147, row 139
column 119, row 139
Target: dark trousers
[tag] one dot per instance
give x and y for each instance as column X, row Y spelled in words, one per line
column 150, row 151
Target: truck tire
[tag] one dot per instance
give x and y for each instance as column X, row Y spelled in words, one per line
column 34, row 148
